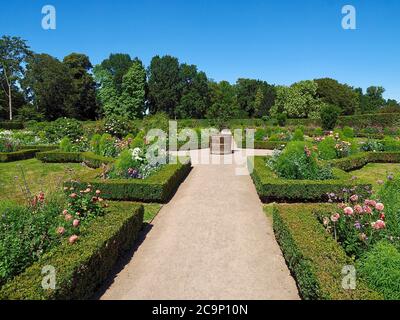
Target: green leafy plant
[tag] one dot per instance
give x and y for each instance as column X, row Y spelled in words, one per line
column 298, row 135
column 299, row 161
column 329, row 116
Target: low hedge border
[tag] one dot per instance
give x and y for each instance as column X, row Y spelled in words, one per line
column 159, row 187
column 11, row 125
column 90, row 159
column 82, row 267
column 263, row 145
column 41, row 148
column 18, row 155
column 359, row 160
column 272, row 188
column 313, row 256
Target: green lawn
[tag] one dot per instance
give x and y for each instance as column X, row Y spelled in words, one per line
column 39, row 176
column 373, row 172
column 46, row 177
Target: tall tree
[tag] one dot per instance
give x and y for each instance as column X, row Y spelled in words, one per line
column 341, row 95
column 250, row 89
column 298, row 101
column 224, row 104
column 13, row 54
column 194, row 93
column 375, row 99
column 164, row 85
column 117, row 65
column 132, row 100
column 49, row 86
column 84, row 104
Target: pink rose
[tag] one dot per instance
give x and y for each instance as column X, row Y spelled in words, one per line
column 60, row 230
column 379, row 206
column 382, row 216
column 348, row 211
column 367, row 209
column 335, row 217
column 73, row 239
column 378, row 225
column 65, row 212
column 358, row 209
column 354, row 198
column 98, row 192
column 68, row 217
column 372, row 203
column 73, row 195
column 78, row 213
column 75, row 223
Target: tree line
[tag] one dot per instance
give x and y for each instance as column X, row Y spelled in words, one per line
column 41, row 87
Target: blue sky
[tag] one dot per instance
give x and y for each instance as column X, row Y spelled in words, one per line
column 280, row 41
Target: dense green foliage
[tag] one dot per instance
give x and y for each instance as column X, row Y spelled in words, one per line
column 313, row 256
column 329, row 116
column 98, row 249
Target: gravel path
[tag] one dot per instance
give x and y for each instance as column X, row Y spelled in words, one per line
column 212, row 241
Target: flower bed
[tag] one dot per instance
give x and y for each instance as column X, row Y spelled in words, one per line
column 272, row 188
column 313, row 256
column 159, row 187
column 81, row 268
column 18, row 155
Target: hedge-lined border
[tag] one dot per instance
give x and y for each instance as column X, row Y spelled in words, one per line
column 82, row 267
column 18, row 155
column 11, row 125
column 159, row 187
column 359, row 160
column 272, row 188
column 41, row 148
column 313, row 256
column 89, row 158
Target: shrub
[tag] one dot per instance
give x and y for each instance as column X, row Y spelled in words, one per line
column 81, row 268
column 272, row 188
column 299, row 162
column 281, row 119
column 159, row 187
column 107, row 146
column 95, row 143
column 159, row 120
column 260, row 134
column 390, row 195
column 66, row 145
column 348, row 132
column 329, row 116
column 380, row 268
column 298, row 135
column 372, row 145
column 318, row 132
column 18, row 155
column 391, row 144
column 25, row 234
column 326, row 149
column 118, row 126
column 358, row 225
column 315, row 259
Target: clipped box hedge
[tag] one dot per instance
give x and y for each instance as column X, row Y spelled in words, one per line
column 359, row 160
column 92, row 160
column 313, row 256
column 81, row 268
column 17, row 155
column 11, row 125
column 272, row 188
column 41, row 148
column 159, row 187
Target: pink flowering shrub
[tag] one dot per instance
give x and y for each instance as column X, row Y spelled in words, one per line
column 357, row 224
column 82, row 206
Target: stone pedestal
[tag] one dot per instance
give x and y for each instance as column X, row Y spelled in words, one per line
column 221, row 144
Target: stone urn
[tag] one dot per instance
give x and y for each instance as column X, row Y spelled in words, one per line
column 221, row 144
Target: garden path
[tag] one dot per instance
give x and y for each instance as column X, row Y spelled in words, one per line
column 211, row 241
